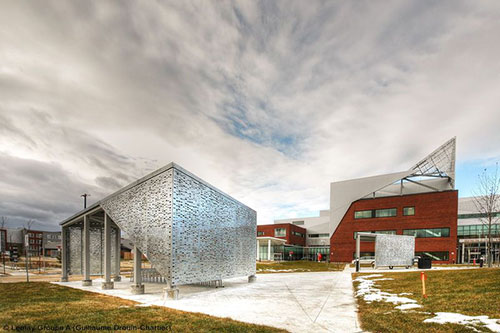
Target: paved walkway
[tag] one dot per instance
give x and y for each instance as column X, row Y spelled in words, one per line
column 298, row 302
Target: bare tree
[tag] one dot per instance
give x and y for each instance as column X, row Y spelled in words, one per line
column 487, row 202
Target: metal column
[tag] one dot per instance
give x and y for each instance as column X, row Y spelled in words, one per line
column 258, row 250
column 118, row 245
column 358, row 246
column 137, row 287
column 107, row 284
column 268, row 249
column 86, row 251
column 463, row 253
column 64, row 256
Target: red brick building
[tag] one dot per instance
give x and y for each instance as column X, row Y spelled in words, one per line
column 431, row 217
column 294, row 235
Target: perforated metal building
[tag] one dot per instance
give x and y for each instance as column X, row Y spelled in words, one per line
column 190, row 232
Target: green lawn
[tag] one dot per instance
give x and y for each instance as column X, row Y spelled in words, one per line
column 297, row 266
column 41, row 303
column 470, row 292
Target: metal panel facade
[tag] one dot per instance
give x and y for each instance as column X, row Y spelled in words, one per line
column 213, row 234
column 144, row 213
column 394, row 250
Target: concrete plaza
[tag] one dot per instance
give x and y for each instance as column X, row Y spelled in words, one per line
column 297, row 302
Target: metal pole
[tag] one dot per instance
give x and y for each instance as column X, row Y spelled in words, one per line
column 358, row 246
column 27, row 257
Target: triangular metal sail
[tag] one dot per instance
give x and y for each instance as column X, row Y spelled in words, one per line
column 439, row 163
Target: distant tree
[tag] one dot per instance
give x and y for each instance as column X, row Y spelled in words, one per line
column 487, row 201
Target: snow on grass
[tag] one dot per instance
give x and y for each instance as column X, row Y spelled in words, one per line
column 370, row 293
column 408, row 306
column 469, row 321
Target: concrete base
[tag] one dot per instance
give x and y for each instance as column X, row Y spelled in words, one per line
column 108, row 285
column 86, row 283
column 137, row 289
column 170, row 293
column 117, row 278
column 64, row 279
column 252, row 278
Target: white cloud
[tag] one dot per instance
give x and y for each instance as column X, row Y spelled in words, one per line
column 268, row 101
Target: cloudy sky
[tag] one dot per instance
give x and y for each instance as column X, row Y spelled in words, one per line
column 268, row 101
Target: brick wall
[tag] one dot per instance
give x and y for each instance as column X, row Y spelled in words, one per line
column 268, row 230
column 432, row 210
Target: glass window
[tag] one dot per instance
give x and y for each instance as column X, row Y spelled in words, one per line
column 280, row 232
column 407, row 211
column 298, row 234
column 318, row 235
column 436, row 255
column 363, row 214
column 428, row 233
column 260, row 233
column 386, row 212
column 298, row 222
column 384, row 232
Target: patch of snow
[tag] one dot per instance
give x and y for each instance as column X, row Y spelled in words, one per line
column 408, row 306
column 470, row 321
column 370, row 293
column 283, row 270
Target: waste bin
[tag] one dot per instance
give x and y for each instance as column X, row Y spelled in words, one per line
column 424, row 263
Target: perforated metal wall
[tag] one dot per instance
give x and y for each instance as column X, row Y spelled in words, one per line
column 144, row 213
column 213, row 234
column 394, row 250
column 74, row 248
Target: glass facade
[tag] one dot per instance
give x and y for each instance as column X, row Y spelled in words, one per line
column 407, row 211
column 428, row 233
column 478, row 230
column 442, row 255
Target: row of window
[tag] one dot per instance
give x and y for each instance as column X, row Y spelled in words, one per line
column 478, row 230
column 34, row 235
column 386, row 212
column 385, row 232
column 434, row 255
column 281, row 232
column 428, row 233
column 418, row 233
column 318, row 235
column 476, row 215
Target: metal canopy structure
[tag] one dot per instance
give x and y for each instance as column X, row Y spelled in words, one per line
column 434, row 173
column 189, row 230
